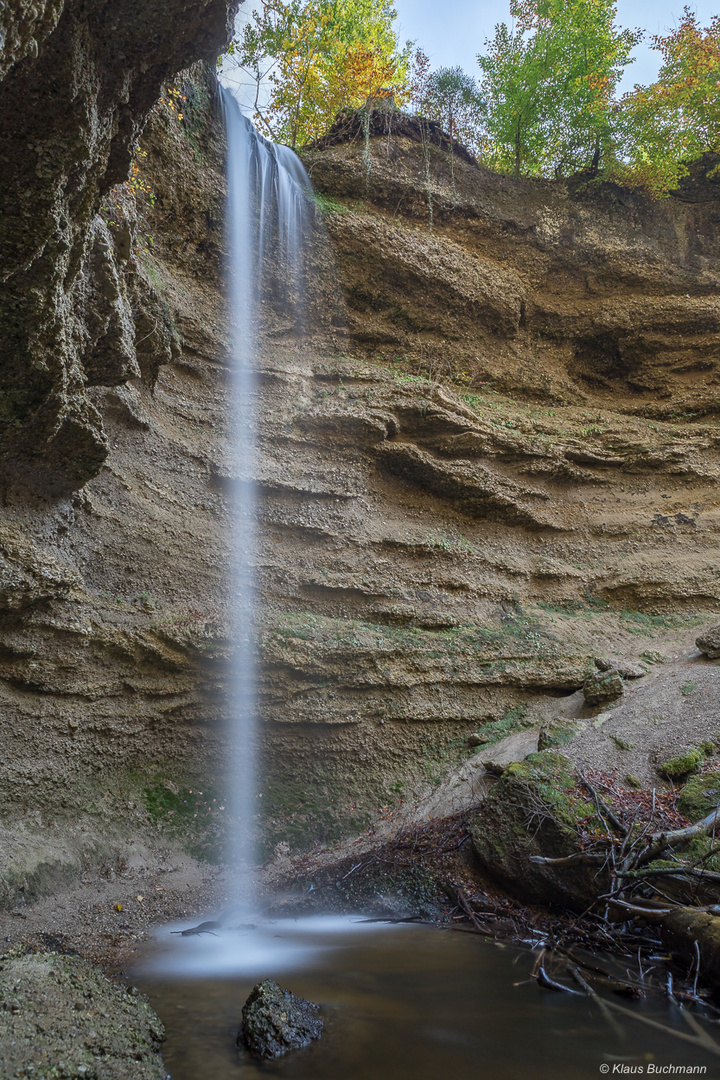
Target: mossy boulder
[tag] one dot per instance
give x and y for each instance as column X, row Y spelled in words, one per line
column 603, row 686
column 677, row 767
column 700, row 796
column 709, row 642
column 537, row 808
column 559, row 732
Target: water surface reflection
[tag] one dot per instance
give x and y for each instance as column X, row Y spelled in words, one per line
column 400, row 1003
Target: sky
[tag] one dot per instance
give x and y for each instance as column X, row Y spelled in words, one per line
column 452, row 32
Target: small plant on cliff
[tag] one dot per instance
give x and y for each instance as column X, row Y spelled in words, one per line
column 173, row 100
column 126, row 204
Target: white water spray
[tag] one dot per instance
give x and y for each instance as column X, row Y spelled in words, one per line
column 269, row 213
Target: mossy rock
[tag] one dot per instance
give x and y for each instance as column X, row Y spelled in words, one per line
column 536, row 808
column 701, row 850
column 677, row 767
column 700, row 796
column 603, row 686
column 699, row 853
column 559, row 732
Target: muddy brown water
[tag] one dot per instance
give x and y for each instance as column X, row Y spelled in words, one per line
column 399, row 1003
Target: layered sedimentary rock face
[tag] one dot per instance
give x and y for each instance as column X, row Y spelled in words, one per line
column 572, row 292
column 500, row 461
column 109, row 592
column 444, row 556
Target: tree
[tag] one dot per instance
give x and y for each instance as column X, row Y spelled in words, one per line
column 515, row 83
column 452, row 97
column 677, row 118
column 550, row 82
column 318, row 57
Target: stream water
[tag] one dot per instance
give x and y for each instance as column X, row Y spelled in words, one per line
column 400, row 1002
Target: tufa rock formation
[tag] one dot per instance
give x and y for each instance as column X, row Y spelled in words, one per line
column 78, row 83
column 275, row 1021
column 112, row 634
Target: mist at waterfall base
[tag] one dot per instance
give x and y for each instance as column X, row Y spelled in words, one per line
column 413, row 1003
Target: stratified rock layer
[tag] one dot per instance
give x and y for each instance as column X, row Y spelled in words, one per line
column 464, row 495
column 570, row 292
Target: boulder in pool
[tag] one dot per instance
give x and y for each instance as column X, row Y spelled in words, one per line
column 275, row 1021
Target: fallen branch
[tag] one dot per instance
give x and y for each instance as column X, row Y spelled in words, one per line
column 463, row 903
column 597, row 999
column 676, row 837
column 651, row 914
column 579, row 858
column 669, row 871
column 706, row 1042
column 603, row 806
column 543, row 979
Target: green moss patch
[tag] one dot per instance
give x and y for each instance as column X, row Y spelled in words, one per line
column 559, row 732
column 549, row 779
column 677, row 767
column 197, row 816
column 700, row 796
column 512, row 720
column 538, row 808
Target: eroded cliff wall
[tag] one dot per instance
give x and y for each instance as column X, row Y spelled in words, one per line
column 499, row 462
column 112, row 548
column 446, row 557
column 79, row 81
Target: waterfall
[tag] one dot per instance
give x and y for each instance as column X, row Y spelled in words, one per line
column 269, row 212
column 272, row 229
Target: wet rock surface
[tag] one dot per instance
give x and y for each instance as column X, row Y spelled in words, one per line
column 60, row 1016
column 275, row 1021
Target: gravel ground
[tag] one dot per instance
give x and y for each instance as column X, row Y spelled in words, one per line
column 107, row 916
column 62, row 1017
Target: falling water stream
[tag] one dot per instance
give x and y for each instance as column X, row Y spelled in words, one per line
column 268, row 214
column 400, row 1002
